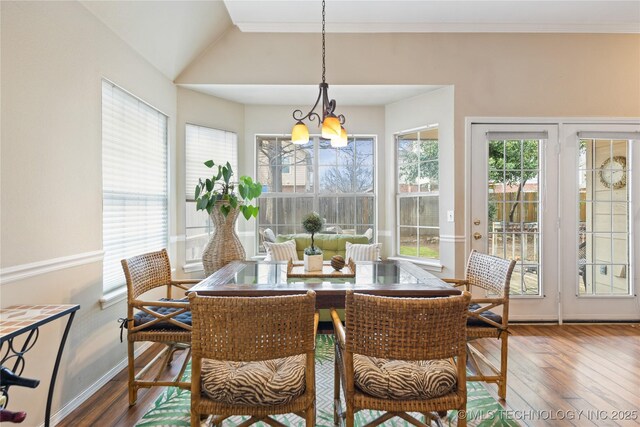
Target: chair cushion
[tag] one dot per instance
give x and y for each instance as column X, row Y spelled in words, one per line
column 403, row 379
column 472, row 321
column 264, row 383
column 281, row 251
column 141, row 317
column 359, row 252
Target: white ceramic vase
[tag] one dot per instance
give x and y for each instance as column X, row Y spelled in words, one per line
column 312, row 262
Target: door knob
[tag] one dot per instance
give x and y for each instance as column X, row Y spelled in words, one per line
column 476, row 221
column 477, row 235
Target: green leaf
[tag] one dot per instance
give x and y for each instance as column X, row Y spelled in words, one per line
column 256, row 190
column 209, row 163
column 203, row 202
column 233, row 202
column 219, row 173
column 226, row 173
column 256, row 210
column 209, row 184
column 247, row 212
column 197, row 192
column 242, row 190
column 225, row 209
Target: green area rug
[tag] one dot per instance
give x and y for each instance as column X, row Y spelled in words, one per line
column 172, row 408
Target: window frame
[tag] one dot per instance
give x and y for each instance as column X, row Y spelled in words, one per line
column 194, row 265
column 418, row 195
column 317, row 194
column 112, row 294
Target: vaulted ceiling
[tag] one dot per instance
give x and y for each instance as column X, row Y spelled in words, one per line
column 172, row 34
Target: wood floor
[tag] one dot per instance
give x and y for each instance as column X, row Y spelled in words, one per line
column 569, row 375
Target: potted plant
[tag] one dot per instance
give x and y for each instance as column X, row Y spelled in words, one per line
column 312, row 224
column 216, row 195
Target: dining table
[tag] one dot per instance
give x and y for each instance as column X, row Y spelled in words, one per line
column 393, row 278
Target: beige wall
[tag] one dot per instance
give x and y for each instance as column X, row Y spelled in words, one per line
column 54, row 55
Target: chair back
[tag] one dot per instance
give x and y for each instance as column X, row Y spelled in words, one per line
column 406, row 328
column 146, row 272
column 582, row 252
column 490, row 273
column 248, row 329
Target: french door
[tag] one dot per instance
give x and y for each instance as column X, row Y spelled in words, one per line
column 560, row 199
column 600, row 222
column 514, row 206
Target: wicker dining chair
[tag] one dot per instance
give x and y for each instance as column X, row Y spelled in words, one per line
column 401, row 355
column 166, row 321
column 492, row 276
column 253, row 356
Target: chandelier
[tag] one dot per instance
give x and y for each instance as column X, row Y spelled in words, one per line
column 332, row 128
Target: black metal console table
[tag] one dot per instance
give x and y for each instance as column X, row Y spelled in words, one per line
column 27, row 319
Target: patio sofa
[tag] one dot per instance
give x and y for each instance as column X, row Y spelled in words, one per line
column 331, row 244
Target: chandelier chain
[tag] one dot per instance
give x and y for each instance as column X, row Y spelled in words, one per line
column 323, row 49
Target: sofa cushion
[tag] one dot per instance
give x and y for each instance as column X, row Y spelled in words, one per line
column 330, row 244
column 264, row 383
column 404, row 379
column 281, row 251
column 358, row 252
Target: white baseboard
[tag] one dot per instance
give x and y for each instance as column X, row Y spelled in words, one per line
column 93, row 388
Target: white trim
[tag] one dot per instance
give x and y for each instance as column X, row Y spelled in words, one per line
column 193, row 267
column 533, row 318
column 23, row 271
column 178, row 238
column 444, row 27
column 113, row 297
column 246, row 233
column 93, row 388
column 450, row 238
column 384, row 233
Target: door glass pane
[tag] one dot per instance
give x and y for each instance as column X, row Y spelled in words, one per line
column 514, row 210
column 603, row 218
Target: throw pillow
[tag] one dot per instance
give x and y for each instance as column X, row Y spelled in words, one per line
column 281, row 251
column 268, row 234
column 358, row 252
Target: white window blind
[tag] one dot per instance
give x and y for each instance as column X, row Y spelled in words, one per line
column 202, row 144
column 134, row 180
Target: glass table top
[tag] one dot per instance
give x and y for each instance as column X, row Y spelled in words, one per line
column 380, row 273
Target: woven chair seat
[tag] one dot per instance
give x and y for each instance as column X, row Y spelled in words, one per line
column 263, row 383
column 142, row 317
column 473, row 321
column 404, row 379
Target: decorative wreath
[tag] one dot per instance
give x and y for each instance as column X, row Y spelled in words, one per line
column 605, row 169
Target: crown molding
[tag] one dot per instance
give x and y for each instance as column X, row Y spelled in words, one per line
column 424, row 27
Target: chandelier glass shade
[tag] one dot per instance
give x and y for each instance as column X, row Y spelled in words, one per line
column 331, row 125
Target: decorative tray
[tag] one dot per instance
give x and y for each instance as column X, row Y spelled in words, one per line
column 297, row 270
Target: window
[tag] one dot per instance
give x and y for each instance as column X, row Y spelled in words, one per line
column 418, row 230
column 604, row 226
column 338, row 183
column 202, row 144
column 134, row 180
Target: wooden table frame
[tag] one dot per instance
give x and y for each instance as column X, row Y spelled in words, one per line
column 327, row 296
